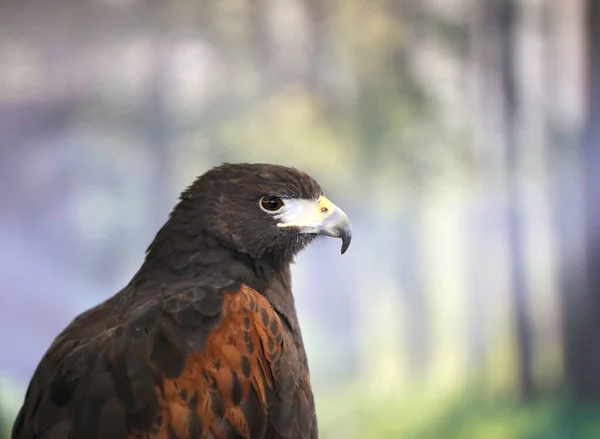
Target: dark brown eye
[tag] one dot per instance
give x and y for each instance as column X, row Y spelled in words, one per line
column 271, row 204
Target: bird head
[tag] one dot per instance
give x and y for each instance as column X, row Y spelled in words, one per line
column 262, row 210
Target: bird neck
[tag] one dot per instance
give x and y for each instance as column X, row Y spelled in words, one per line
column 178, row 254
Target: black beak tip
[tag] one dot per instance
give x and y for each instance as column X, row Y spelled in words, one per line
column 346, row 238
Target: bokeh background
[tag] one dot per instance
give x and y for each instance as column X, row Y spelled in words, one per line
column 461, row 136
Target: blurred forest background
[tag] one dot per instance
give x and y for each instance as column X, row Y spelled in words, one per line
column 461, row 136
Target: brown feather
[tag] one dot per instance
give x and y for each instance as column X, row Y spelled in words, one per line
column 228, row 369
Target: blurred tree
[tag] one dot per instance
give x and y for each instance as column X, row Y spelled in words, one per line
column 506, row 12
column 584, row 360
column 565, row 59
column 495, row 164
column 481, row 207
column 391, row 98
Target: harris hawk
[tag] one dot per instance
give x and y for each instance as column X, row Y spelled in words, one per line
column 204, row 341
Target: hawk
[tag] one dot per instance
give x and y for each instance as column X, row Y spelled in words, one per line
column 204, row 341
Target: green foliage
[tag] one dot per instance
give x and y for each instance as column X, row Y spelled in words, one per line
column 356, row 415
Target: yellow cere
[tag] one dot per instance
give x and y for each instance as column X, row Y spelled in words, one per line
column 325, row 204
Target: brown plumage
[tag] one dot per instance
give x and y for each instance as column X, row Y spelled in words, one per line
column 204, row 342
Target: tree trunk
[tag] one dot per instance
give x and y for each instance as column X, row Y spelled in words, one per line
column 508, row 10
column 585, row 364
column 564, row 114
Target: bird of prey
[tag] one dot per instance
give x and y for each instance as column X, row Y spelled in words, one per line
column 204, row 341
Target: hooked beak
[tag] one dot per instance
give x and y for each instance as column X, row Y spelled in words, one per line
column 320, row 218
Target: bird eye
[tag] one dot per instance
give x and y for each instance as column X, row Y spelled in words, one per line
column 271, row 204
